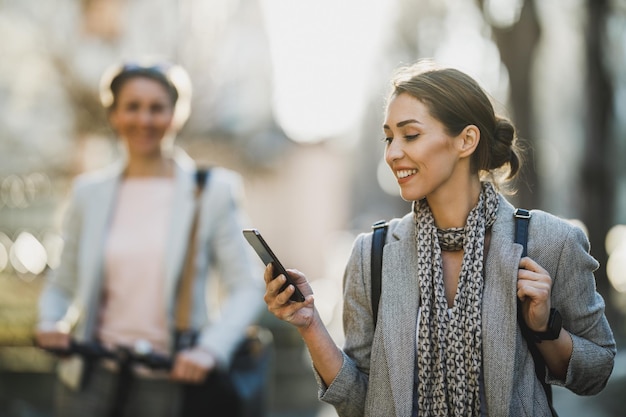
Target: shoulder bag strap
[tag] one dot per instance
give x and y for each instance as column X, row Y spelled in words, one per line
column 185, row 288
column 522, row 221
column 378, row 242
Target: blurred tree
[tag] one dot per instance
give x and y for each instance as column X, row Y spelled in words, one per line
column 597, row 177
column 517, row 43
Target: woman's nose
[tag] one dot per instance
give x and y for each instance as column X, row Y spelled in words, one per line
column 393, row 151
column 145, row 117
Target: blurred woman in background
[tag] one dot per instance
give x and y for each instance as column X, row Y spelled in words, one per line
column 126, row 236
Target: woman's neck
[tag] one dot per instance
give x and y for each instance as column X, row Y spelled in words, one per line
column 451, row 208
column 149, row 167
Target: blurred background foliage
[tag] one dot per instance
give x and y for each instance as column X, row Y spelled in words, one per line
column 290, row 94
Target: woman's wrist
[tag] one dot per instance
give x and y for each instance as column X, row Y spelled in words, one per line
column 314, row 326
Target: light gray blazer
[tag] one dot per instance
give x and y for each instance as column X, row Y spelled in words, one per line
column 73, row 291
column 377, row 375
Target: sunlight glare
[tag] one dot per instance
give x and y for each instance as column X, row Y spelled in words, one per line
column 323, row 53
column 503, row 13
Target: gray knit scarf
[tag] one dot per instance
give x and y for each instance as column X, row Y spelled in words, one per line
column 449, row 350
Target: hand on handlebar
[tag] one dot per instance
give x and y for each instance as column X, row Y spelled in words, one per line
column 188, row 366
column 192, row 365
column 53, row 336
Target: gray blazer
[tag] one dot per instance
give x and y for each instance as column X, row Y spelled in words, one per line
column 376, row 378
column 73, row 291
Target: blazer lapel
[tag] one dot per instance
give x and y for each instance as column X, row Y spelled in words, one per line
column 499, row 312
column 399, row 305
column 97, row 218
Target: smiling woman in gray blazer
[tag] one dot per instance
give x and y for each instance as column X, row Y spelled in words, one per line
column 447, row 340
column 126, row 235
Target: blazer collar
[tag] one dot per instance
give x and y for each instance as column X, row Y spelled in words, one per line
column 96, row 220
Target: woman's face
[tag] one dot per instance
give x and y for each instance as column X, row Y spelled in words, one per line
column 143, row 115
column 421, row 154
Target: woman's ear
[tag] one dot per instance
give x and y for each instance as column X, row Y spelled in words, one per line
column 468, row 140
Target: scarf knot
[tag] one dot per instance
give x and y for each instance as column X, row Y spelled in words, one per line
column 451, row 239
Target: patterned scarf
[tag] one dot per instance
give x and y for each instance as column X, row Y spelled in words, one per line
column 449, row 357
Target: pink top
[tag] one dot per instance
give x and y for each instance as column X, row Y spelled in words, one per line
column 133, row 306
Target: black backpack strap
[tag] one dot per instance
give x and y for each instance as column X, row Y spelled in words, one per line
column 522, row 221
column 202, row 177
column 378, row 242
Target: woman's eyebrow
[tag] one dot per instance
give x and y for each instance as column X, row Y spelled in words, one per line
column 403, row 123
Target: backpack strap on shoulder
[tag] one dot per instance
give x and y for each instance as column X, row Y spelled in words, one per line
column 378, row 242
column 202, row 176
column 522, row 221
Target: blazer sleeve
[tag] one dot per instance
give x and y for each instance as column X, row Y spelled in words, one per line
column 348, row 392
column 61, row 283
column 239, row 270
column 582, row 308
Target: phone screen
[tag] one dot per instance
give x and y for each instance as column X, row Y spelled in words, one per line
column 254, row 238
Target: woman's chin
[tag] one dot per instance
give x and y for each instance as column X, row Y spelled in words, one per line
column 407, row 195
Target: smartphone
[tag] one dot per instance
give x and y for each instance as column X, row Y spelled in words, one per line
column 254, row 238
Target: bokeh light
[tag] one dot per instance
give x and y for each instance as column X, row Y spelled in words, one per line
column 53, row 243
column 321, row 79
column 5, row 247
column 615, row 237
column 615, row 244
column 28, row 255
column 4, row 257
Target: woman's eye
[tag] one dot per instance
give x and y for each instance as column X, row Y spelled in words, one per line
column 386, row 140
column 132, row 106
column 157, row 108
column 411, row 137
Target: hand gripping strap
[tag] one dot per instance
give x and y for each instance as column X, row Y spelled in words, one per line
column 522, row 221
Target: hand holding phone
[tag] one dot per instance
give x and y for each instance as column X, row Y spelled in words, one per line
column 254, row 238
